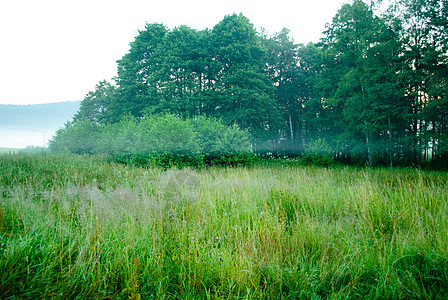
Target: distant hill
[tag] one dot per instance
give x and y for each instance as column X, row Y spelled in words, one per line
column 49, row 116
column 33, row 125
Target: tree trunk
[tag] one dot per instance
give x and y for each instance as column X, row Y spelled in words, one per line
column 290, row 127
column 369, row 151
column 391, row 164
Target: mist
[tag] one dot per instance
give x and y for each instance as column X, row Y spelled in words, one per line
column 33, row 125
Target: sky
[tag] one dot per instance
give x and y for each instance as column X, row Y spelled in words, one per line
column 58, row 50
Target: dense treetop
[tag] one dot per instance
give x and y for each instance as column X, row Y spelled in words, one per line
column 374, row 88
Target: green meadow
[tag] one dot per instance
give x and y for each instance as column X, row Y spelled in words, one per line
column 82, row 227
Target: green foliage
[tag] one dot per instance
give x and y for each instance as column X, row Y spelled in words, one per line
column 215, row 138
column 163, row 161
column 118, row 138
column 158, row 140
column 79, row 137
column 96, row 104
column 165, row 134
column 231, row 159
column 291, row 89
column 319, row 153
column 358, row 80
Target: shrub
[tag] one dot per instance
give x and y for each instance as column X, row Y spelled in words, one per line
column 215, row 138
column 231, row 159
column 118, row 139
column 158, row 140
column 161, row 160
column 79, row 137
column 165, row 134
column 318, row 153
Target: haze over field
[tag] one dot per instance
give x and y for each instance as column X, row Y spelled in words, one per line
column 33, row 125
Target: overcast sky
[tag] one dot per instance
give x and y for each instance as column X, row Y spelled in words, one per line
column 58, row 50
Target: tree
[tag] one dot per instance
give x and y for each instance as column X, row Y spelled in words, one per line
column 357, row 82
column 138, row 74
column 181, row 77
column 290, row 90
column 219, row 73
column 424, row 34
column 96, row 104
column 243, row 90
column 316, row 119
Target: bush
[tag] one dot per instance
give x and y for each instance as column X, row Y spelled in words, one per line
column 214, row 138
column 158, row 141
column 79, row 137
column 165, row 134
column 318, row 153
column 162, row 161
column 232, row 160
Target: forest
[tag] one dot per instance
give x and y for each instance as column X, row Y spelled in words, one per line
column 373, row 90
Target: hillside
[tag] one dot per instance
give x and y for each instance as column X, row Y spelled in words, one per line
column 33, row 125
column 49, row 116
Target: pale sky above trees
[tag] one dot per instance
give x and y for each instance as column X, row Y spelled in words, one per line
column 56, row 50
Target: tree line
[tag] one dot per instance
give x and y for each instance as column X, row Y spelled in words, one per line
column 374, row 88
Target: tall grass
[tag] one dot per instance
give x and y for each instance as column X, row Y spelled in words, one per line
column 81, row 227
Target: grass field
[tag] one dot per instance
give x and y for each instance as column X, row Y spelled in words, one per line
column 81, row 227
